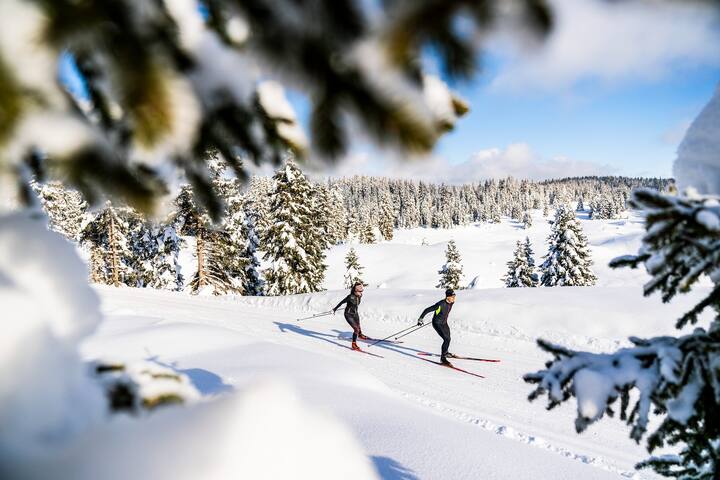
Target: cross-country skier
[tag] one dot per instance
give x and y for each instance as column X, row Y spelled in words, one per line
column 352, row 316
column 439, row 322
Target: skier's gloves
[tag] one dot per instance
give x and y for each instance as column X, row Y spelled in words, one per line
column 420, row 321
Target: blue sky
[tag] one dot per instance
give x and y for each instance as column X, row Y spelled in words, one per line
column 611, row 91
column 633, row 127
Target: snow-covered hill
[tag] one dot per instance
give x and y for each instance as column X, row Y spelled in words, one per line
column 405, row 262
column 412, row 419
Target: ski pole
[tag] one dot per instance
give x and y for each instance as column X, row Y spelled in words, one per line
column 413, row 331
column 329, row 312
column 390, row 336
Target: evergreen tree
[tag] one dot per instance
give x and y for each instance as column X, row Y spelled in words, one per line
column 521, row 269
column 527, row 220
column 337, row 217
column 257, row 202
column 193, row 220
column 66, row 209
column 106, row 235
column 353, row 270
column 290, row 243
column 675, row 378
column 254, row 283
column 386, row 220
column 568, row 261
column 165, row 266
column 451, row 273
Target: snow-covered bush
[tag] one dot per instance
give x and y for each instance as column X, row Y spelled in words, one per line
column 675, row 378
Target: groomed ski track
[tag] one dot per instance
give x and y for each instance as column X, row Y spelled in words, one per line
column 415, row 419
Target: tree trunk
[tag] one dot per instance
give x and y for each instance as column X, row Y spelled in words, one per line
column 113, row 252
column 200, row 250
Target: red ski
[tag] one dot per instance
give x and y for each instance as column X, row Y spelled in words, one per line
column 453, row 367
column 366, row 353
column 492, row 360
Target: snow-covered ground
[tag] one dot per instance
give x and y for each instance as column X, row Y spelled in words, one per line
column 412, row 419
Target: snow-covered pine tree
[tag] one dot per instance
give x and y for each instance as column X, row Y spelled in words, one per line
column 143, row 249
column 368, row 230
column 165, row 266
column 521, row 269
column 255, row 285
column 106, row 236
column 192, row 220
column 568, row 261
column 66, row 208
column 546, row 210
column 451, row 273
column 580, row 206
column 257, row 203
column 353, row 270
column 296, row 265
column 527, row 220
column 386, row 217
column 676, row 378
column 337, row 221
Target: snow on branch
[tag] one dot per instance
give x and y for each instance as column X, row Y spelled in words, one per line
column 682, row 244
column 676, row 377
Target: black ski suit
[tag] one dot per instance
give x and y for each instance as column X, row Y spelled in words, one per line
column 439, row 322
column 352, row 316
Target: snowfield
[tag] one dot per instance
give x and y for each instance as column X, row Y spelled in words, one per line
column 400, row 415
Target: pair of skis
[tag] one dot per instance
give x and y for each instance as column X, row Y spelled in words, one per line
column 458, row 357
column 423, row 356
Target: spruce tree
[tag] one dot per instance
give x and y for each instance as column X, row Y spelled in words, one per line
column 66, row 208
column 254, row 283
column 568, row 261
column 674, row 378
column 337, row 217
column 386, row 218
column 164, row 262
column 193, row 220
column 290, row 243
column 521, row 269
column 451, row 273
column 107, row 237
column 527, row 220
column 353, row 270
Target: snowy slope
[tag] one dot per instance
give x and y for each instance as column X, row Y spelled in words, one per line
column 413, row 419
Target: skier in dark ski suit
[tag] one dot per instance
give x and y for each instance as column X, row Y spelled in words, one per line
column 439, row 322
column 352, row 316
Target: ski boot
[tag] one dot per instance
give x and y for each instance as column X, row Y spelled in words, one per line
column 354, row 346
column 363, row 337
column 445, row 362
column 450, row 355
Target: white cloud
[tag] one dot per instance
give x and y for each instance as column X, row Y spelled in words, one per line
column 516, row 160
column 613, row 41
